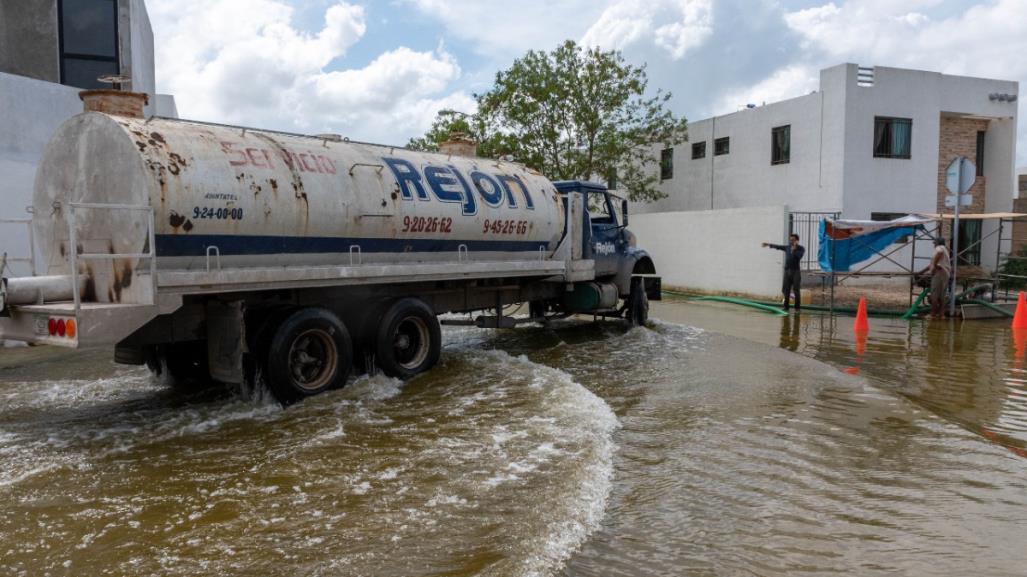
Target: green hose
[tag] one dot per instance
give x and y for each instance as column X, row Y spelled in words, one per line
column 916, row 306
column 744, row 302
column 818, row 308
column 988, row 305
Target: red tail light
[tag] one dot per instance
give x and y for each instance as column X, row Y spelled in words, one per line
column 61, row 328
column 51, row 325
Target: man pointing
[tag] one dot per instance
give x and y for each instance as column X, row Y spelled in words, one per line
column 793, row 261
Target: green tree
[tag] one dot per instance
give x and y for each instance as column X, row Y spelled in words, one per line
column 573, row 113
column 446, row 123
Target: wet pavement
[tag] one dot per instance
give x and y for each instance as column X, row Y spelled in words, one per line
column 718, row 441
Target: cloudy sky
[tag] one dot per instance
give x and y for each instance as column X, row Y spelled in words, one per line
column 378, row 70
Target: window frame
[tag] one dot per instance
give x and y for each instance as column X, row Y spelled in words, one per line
column 979, row 156
column 970, row 256
column 891, row 121
column 698, row 150
column 726, row 141
column 62, row 55
column 667, row 164
column 776, row 156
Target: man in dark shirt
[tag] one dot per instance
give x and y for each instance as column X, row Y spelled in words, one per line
column 793, row 261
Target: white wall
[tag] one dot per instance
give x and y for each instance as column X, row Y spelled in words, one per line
column 911, row 185
column 716, row 250
column 140, row 54
column 30, row 111
column 745, row 176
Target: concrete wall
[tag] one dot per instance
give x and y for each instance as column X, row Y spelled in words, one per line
column 716, row 250
column 28, row 39
column 137, row 54
column 745, row 176
column 31, row 111
column 832, row 165
column 910, row 185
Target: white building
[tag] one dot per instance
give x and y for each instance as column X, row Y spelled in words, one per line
column 49, row 51
column 871, row 143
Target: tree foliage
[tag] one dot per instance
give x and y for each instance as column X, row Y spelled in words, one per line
column 573, row 113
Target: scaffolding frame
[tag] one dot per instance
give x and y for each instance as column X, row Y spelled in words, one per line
column 923, row 233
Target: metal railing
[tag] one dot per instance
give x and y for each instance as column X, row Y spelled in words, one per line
column 807, row 226
column 75, row 256
column 31, row 258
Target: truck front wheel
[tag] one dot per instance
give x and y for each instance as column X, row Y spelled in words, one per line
column 409, row 339
column 310, row 353
column 638, row 303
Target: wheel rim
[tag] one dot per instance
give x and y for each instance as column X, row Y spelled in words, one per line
column 410, row 342
column 313, row 359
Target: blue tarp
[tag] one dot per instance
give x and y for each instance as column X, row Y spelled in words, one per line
column 839, row 255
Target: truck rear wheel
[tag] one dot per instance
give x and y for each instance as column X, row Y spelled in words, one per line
column 638, row 303
column 182, row 365
column 409, row 339
column 310, row 353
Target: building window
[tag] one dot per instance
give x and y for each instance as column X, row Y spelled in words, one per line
column 893, row 137
column 722, row 146
column 970, row 242
column 667, row 164
column 781, row 145
column 88, row 41
column 698, row 150
column 980, row 152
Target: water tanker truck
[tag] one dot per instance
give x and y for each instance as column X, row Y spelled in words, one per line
column 220, row 253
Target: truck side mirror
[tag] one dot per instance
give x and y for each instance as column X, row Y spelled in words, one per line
column 624, row 211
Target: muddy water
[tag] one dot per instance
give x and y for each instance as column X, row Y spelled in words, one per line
column 574, row 450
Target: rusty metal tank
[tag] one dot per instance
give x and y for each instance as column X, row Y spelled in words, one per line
column 261, row 198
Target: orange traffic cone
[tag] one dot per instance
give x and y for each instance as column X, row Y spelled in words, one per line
column 862, row 325
column 1019, row 345
column 1020, row 318
column 861, row 342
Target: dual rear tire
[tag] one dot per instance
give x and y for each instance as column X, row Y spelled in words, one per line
column 311, row 350
column 310, row 353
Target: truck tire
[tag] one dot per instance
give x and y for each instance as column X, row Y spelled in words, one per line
column 638, row 304
column 309, row 354
column 409, row 339
column 181, row 366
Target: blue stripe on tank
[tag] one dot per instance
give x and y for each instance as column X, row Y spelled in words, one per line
column 169, row 245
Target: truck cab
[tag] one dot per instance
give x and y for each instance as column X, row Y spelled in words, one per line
column 607, row 241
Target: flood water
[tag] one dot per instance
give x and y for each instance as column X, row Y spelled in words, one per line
column 718, row 441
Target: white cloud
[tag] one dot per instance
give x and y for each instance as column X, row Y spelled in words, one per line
column 243, row 61
column 783, row 84
column 985, row 40
column 505, row 31
column 676, row 26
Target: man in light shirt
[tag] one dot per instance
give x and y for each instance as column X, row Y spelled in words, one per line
column 939, row 269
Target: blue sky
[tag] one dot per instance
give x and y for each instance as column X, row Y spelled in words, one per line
column 379, row 69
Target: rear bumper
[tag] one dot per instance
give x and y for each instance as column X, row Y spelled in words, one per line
column 40, row 327
column 64, row 325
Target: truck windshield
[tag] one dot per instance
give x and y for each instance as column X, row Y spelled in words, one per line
column 599, row 210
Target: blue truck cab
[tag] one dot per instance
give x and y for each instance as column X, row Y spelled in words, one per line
column 608, row 242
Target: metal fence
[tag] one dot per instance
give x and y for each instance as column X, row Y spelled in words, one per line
column 807, row 226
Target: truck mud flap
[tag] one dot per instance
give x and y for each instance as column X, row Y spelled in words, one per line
column 653, row 287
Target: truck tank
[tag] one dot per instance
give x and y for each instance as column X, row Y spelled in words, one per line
column 261, row 198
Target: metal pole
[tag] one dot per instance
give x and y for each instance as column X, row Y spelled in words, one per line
column 912, row 267
column 955, row 245
column 833, row 246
